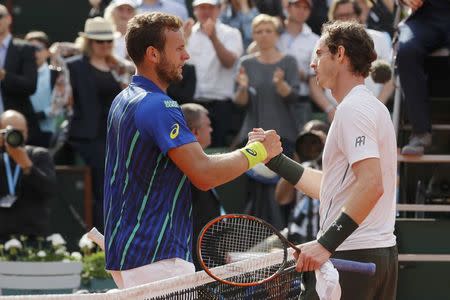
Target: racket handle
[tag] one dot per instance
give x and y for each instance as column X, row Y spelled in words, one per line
column 354, row 266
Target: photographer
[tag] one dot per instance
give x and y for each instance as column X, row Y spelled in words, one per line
column 27, row 180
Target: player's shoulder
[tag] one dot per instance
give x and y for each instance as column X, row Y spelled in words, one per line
column 360, row 100
column 158, row 100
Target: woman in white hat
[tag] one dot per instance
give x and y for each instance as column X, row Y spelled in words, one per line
column 95, row 84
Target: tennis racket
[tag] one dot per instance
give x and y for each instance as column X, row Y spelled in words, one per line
column 243, row 250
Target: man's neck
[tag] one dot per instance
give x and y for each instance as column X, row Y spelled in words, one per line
column 293, row 28
column 344, row 84
column 153, row 77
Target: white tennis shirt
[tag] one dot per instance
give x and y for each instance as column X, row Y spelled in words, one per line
column 361, row 129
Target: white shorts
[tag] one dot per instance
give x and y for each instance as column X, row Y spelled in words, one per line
column 159, row 270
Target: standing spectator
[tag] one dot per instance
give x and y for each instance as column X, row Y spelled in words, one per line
column 18, row 76
column 239, row 14
column 319, row 15
column 119, row 12
column 165, row 6
column 97, row 8
column 205, row 204
column 270, row 7
column 214, row 49
column 49, row 78
column 29, row 170
column 378, row 15
column 95, row 85
column 299, row 41
column 427, row 29
column 267, row 86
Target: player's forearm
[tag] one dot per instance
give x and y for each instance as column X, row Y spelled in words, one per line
column 309, row 183
column 364, row 196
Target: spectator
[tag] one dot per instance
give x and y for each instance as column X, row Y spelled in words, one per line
column 270, row 7
column 303, row 223
column 299, row 41
column 427, row 29
column 319, row 15
column 165, row 6
column 95, row 84
column 97, row 8
column 205, row 204
column 119, row 12
column 378, row 15
column 214, row 49
column 51, row 86
column 239, row 14
column 267, row 86
column 27, row 183
column 18, row 76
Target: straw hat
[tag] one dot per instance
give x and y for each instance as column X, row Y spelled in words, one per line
column 99, row 29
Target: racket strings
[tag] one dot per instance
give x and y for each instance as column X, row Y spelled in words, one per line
column 240, row 246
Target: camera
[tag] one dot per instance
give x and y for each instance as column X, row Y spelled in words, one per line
column 13, row 137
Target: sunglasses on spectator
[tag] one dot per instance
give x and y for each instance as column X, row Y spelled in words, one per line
column 2, row 16
column 103, row 41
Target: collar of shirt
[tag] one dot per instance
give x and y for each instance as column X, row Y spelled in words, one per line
column 146, row 84
column 43, row 67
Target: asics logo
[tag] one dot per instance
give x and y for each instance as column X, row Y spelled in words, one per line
column 175, row 130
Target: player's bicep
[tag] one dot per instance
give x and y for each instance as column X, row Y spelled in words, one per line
column 191, row 160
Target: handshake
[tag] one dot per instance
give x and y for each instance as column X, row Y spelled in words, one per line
column 270, row 140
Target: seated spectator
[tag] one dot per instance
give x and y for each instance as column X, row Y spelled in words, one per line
column 214, row 48
column 239, row 14
column 165, row 6
column 119, row 12
column 51, row 87
column 27, row 181
column 303, row 223
column 270, row 7
column 205, row 204
column 378, row 15
column 319, row 15
column 427, row 29
column 18, row 75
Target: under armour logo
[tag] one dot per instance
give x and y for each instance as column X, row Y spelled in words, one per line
column 360, row 141
column 338, row 227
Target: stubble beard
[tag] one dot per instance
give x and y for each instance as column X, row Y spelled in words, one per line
column 167, row 72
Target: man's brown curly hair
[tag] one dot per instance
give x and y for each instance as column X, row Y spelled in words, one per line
column 357, row 43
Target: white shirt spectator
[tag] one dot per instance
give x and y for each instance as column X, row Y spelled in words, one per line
column 301, row 47
column 214, row 81
column 361, row 129
column 120, row 48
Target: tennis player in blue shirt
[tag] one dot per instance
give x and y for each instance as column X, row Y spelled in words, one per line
column 152, row 157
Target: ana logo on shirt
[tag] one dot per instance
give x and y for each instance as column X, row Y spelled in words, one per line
column 175, row 130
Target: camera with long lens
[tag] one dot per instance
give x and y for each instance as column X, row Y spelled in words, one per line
column 13, row 137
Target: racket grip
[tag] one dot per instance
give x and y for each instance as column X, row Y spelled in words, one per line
column 354, row 266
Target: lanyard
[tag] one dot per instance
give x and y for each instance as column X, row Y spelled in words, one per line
column 12, row 181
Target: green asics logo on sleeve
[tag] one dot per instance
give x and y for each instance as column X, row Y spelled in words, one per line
column 251, row 152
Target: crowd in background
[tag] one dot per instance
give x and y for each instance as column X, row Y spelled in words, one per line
column 249, row 67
